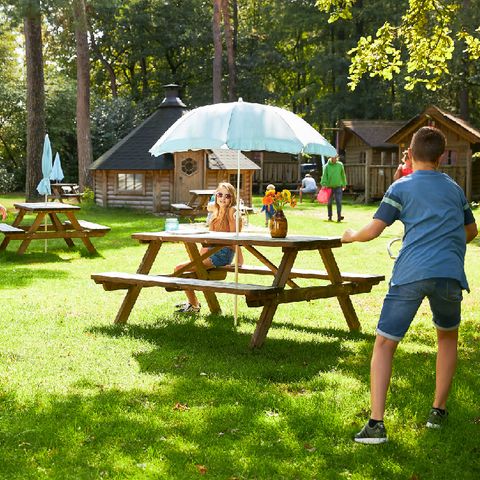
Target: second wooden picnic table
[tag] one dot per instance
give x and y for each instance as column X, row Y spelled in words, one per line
column 339, row 285
column 55, row 228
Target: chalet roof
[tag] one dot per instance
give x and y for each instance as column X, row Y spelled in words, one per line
column 132, row 151
column 442, row 118
column 223, row 159
column 373, row 132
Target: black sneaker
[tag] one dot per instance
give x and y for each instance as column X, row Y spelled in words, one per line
column 188, row 308
column 340, row 218
column 436, row 418
column 372, row 435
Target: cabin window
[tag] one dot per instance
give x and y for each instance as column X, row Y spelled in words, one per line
column 233, row 181
column 131, row 182
column 449, row 158
column 362, row 157
column 189, row 166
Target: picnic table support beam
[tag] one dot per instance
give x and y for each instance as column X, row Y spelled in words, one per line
column 86, row 241
column 60, row 227
column 16, row 223
column 33, row 228
column 202, row 274
column 133, row 292
column 336, row 278
column 268, row 311
column 267, row 263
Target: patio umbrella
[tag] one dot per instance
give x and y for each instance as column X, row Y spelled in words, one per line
column 242, row 126
column 57, row 173
column 43, row 187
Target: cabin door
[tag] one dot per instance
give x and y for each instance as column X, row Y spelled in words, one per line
column 189, row 174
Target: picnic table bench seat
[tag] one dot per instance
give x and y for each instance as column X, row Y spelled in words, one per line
column 9, row 229
column 93, row 227
column 301, row 273
column 117, row 280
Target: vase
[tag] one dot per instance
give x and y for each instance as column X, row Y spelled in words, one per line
column 278, row 225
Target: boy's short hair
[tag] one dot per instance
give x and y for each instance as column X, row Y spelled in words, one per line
column 428, row 144
column 270, row 187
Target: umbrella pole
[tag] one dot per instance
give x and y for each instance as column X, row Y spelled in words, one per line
column 237, row 230
column 46, row 226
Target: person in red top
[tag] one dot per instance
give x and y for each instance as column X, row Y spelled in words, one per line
column 3, row 212
column 405, row 167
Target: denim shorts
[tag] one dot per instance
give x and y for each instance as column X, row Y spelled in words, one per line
column 403, row 301
column 222, row 257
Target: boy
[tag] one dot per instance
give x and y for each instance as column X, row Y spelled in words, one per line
column 438, row 223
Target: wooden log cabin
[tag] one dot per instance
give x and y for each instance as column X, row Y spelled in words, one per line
column 463, row 142
column 369, row 160
column 371, row 150
column 127, row 175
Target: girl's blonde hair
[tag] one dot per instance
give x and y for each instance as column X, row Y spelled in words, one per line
column 233, row 198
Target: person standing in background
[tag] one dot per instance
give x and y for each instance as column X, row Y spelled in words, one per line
column 333, row 177
column 405, row 168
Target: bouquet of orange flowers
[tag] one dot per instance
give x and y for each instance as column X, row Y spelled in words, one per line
column 279, row 200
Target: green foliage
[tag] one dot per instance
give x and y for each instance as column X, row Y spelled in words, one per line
column 88, row 198
column 425, row 36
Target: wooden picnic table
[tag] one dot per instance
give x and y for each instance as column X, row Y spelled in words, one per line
column 69, row 229
column 196, row 206
column 65, row 191
column 340, row 285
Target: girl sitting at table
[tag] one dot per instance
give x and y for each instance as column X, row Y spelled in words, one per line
column 223, row 219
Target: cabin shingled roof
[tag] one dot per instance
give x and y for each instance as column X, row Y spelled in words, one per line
column 373, row 132
column 132, row 151
column 223, row 159
column 456, row 123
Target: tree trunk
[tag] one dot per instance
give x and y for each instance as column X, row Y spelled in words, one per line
column 229, row 40
column 84, row 141
column 35, row 99
column 217, row 47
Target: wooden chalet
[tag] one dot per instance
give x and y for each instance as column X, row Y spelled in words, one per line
column 371, row 150
column 463, row 141
column 369, row 160
column 127, row 175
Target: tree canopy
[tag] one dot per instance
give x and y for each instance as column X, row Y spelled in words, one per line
column 323, row 59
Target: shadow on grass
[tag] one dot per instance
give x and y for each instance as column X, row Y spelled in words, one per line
column 279, row 360
column 226, row 408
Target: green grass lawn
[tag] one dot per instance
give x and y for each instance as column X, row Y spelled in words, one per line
column 172, row 397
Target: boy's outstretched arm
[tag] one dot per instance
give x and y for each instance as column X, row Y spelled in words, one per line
column 368, row 232
column 471, row 231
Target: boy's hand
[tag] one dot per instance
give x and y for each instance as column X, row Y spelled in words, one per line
column 348, row 236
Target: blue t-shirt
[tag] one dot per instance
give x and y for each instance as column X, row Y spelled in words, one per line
column 433, row 210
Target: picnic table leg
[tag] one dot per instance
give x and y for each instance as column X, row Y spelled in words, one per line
column 202, row 273
column 16, row 223
column 86, row 241
column 33, row 228
column 60, row 227
column 268, row 311
column 344, row 300
column 134, row 292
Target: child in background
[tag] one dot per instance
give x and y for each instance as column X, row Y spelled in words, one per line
column 3, row 212
column 223, row 219
column 268, row 209
column 438, row 223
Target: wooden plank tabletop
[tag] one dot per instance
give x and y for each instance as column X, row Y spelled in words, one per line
column 46, row 207
column 299, row 242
